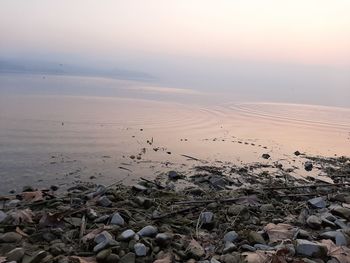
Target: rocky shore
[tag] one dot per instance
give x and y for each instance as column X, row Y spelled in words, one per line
column 219, row 214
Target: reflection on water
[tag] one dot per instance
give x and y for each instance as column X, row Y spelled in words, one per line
column 60, row 139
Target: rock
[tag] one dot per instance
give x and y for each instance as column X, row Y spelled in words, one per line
column 103, row 240
column 336, row 236
column 128, row 258
column 266, row 156
column 139, row 188
column 54, row 187
column 303, row 234
column 10, row 237
column 117, row 220
column 173, row 175
column 213, row 260
column 148, row 231
column 140, row 250
column 342, row 212
column 218, row 182
column 256, row 238
column 163, row 239
column 3, row 216
column 103, row 254
column 231, row 236
column 28, row 188
column 341, row 224
column 239, row 210
column 308, row 166
column 144, row 202
column 15, row 254
column 206, row 218
column 37, row 257
column 229, row 248
column 127, row 235
column 314, row 222
column 231, row 258
column 317, row 202
column 13, row 203
column 195, row 250
column 267, row 208
column 112, row 258
column 100, row 190
column 310, row 249
column 57, row 249
column 263, row 247
column 297, row 153
column 104, row 201
column 247, row 247
column 91, row 214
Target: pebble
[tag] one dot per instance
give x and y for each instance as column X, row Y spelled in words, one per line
column 112, row 258
column 117, row 219
column 103, row 254
column 163, row 239
column 3, row 216
column 103, row 240
column 337, row 236
column 206, row 217
column 229, row 248
column 256, row 238
column 104, row 201
column 128, row 258
column 148, row 231
column 37, row 257
column 308, row 166
column 140, row 250
column 231, row 236
column 317, row 202
column 173, row 175
column 314, row 222
column 195, row 250
column 10, row 237
column 127, row 235
column 15, row 254
column 263, row 247
column 310, row 249
column 266, row 156
column 139, row 188
column 342, row 212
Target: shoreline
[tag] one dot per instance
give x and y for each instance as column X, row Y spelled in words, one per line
column 207, row 217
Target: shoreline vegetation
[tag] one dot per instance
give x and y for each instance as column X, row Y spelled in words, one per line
column 219, row 214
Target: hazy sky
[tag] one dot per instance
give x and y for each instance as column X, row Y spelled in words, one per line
column 209, row 44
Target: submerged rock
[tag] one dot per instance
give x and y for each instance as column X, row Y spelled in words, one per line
column 310, row 249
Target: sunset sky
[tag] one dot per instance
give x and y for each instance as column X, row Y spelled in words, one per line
column 188, row 39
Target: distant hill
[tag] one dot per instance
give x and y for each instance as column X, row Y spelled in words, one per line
column 54, row 68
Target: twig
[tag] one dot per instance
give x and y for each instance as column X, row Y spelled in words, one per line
column 151, row 182
column 190, row 157
column 82, row 227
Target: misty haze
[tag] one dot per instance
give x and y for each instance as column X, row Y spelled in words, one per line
column 174, row 131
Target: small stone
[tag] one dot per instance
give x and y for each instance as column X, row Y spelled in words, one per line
column 310, row 249
column 342, row 212
column 54, row 187
column 247, row 247
column 163, row 239
column 148, row 231
column 297, row 153
column 103, row 254
column 91, row 214
column 57, row 249
column 144, row 202
column 15, row 255
column 3, row 216
column 317, row 202
column 231, row 236
column 231, row 258
column 112, row 258
column 117, row 219
column 263, row 247
column 13, row 203
column 173, row 175
column 303, row 234
column 229, row 248
column 139, row 188
column 35, row 258
column 103, row 240
column 314, row 222
column 266, row 156
column 140, row 250
column 128, row 258
column 213, row 260
column 206, row 218
column 10, row 237
column 195, row 250
column 104, row 201
column 265, row 208
column 127, row 235
column 28, row 188
column 308, row 166
column 256, row 238
column 336, row 236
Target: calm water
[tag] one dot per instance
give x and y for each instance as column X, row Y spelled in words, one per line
column 59, row 137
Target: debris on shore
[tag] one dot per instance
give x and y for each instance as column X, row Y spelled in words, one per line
column 241, row 217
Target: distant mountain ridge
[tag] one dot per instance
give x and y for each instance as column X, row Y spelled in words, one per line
column 54, row 68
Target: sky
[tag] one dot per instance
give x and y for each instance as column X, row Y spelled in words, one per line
column 288, row 48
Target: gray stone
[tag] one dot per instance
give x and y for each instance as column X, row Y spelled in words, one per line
column 139, row 188
column 317, row 202
column 144, row 202
column 117, row 220
column 247, row 247
column 103, row 254
column 308, row 166
column 15, row 254
column 128, row 258
column 303, row 234
column 37, row 257
column 263, row 247
column 229, row 248
column 91, row 214
column 3, row 216
column 112, row 258
column 314, row 222
column 206, row 217
column 342, row 212
column 127, row 235
column 266, row 156
column 310, row 249
column 163, row 239
column 140, row 250
column 104, row 201
column 11, row 237
column 231, row 236
column 231, row 258
column 13, row 203
column 336, row 236
column 148, row 231
column 103, row 240
column 341, row 224
column 173, row 175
